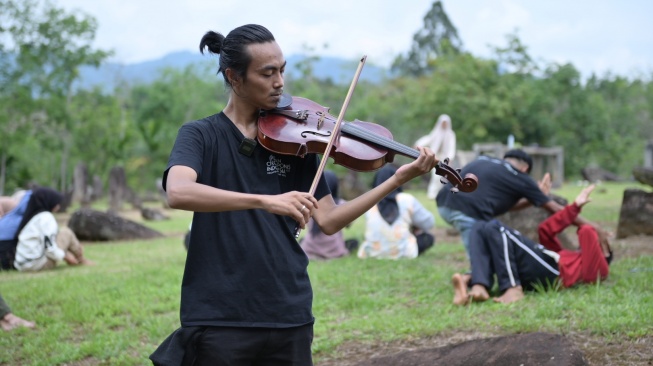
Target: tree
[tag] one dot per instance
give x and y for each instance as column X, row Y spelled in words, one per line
column 41, row 50
column 160, row 108
column 437, row 37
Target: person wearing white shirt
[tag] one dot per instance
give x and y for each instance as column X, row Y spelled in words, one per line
column 442, row 140
column 41, row 243
column 399, row 226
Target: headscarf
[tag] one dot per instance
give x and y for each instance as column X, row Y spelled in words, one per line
column 332, row 181
column 388, row 206
column 43, row 199
column 441, row 140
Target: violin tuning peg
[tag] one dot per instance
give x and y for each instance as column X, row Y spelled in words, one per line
column 458, row 170
column 454, row 190
column 443, row 181
column 446, row 161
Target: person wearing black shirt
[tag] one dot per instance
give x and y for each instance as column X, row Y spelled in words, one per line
column 246, row 298
column 503, row 185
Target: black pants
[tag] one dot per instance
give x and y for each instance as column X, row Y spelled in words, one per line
column 222, row 346
column 424, row 241
column 7, row 254
column 255, row 346
column 496, row 249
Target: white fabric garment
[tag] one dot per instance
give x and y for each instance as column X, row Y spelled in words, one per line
column 442, row 140
column 37, row 242
column 395, row 241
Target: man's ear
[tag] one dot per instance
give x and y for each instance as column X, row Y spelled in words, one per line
column 233, row 77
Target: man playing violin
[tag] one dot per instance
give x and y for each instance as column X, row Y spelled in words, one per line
column 246, row 297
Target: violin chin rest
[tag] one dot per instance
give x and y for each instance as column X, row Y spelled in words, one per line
column 285, row 101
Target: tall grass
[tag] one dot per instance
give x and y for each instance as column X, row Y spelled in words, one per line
column 118, row 311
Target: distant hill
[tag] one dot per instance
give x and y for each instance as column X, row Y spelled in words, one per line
column 110, row 74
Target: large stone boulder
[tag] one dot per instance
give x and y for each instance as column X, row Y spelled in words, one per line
column 153, row 214
column 636, row 215
column 643, row 175
column 542, row 349
column 594, row 175
column 91, row 225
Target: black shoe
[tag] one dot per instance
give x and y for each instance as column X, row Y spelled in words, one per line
column 351, row 245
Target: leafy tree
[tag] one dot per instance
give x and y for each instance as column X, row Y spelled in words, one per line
column 42, row 48
column 160, row 108
column 102, row 132
column 437, row 37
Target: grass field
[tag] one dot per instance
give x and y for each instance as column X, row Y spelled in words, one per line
column 118, row 311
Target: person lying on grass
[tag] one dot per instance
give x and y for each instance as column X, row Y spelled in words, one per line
column 520, row 264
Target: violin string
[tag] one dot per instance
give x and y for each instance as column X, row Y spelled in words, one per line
column 379, row 140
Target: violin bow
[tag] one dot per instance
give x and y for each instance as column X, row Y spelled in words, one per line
column 334, row 134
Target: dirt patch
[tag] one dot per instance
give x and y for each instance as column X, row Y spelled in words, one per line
column 516, row 349
column 447, row 349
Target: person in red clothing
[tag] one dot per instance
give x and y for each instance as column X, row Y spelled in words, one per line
column 519, row 263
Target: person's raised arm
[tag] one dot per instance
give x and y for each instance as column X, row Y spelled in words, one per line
column 582, row 199
column 332, row 218
column 545, row 187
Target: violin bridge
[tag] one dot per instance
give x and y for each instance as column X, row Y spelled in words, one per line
column 320, row 121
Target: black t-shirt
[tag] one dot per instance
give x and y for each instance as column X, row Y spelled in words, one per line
column 243, row 268
column 500, row 186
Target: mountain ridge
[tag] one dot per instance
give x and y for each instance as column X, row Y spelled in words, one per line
column 111, row 74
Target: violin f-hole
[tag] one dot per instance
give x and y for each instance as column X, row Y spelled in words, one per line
column 324, row 134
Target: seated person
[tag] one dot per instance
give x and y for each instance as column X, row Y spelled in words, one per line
column 9, row 229
column 41, row 243
column 519, row 263
column 9, row 321
column 399, row 226
column 318, row 245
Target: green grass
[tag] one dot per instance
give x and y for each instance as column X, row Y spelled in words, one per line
column 117, row 312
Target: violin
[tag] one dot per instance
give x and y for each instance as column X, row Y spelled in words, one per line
column 298, row 126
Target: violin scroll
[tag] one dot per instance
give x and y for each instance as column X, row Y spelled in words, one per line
column 468, row 184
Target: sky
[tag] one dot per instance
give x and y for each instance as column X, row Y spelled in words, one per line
column 596, row 36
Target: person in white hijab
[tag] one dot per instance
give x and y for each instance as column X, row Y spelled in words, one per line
column 442, row 140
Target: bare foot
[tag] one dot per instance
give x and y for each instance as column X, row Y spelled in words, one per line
column 11, row 321
column 460, row 296
column 479, row 293
column 511, row 295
